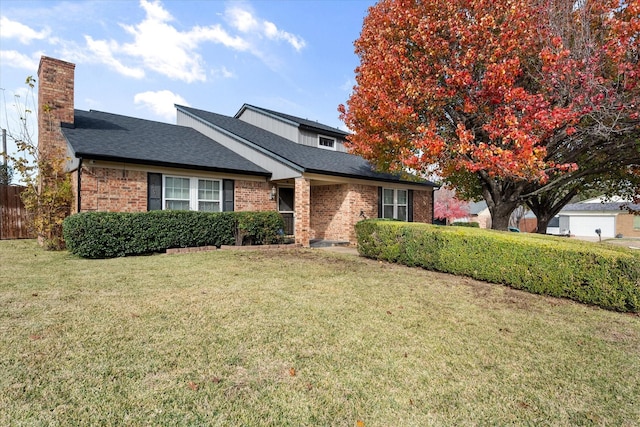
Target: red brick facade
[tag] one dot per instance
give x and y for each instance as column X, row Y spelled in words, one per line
column 624, row 225
column 335, row 209
column 55, row 104
column 119, row 190
column 302, row 215
column 253, row 196
column 113, row 190
column 423, row 206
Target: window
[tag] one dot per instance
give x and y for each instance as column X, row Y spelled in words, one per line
column 326, row 143
column 285, row 199
column 192, row 194
column 636, row 222
column 394, row 204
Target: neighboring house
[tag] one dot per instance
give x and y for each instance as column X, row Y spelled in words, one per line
column 257, row 160
column 478, row 212
column 582, row 219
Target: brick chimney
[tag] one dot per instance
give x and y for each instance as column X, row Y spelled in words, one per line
column 55, row 103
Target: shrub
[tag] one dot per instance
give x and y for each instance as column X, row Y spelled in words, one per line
column 606, row 276
column 258, row 228
column 466, row 224
column 113, row 234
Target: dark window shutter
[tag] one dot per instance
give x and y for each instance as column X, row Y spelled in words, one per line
column 154, row 191
column 410, row 206
column 379, row 202
column 227, row 195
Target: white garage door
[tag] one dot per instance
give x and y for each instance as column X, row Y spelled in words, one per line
column 586, row 225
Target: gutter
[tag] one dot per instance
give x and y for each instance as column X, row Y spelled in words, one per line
column 109, row 158
column 79, row 187
column 433, row 204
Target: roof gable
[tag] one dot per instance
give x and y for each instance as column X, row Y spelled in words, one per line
column 306, row 158
column 599, row 207
column 299, row 122
column 105, row 136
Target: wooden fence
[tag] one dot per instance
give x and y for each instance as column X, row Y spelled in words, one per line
column 13, row 215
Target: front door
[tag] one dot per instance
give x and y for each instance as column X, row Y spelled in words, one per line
column 286, row 207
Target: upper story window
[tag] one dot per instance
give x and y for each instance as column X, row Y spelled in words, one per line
column 193, row 194
column 326, row 142
column 394, row 204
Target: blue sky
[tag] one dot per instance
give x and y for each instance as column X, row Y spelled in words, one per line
column 140, row 57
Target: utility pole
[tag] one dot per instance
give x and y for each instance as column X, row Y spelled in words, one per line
column 4, row 147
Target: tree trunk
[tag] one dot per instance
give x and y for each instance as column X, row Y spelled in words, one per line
column 502, row 198
column 543, row 223
column 547, row 205
column 500, row 215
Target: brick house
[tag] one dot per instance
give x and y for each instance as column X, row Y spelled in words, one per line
column 257, row 160
column 611, row 217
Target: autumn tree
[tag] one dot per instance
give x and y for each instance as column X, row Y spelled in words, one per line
column 491, row 92
column 48, row 195
column 597, row 44
column 447, row 206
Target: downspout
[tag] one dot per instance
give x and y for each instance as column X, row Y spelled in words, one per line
column 433, row 204
column 79, row 184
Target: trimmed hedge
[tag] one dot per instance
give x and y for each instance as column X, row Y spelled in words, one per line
column 466, row 224
column 115, row 234
column 605, row 276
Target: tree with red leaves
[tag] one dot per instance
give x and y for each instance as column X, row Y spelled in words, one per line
column 503, row 96
column 448, row 207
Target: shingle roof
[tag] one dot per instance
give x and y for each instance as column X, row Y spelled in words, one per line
column 105, row 136
column 308, row 159
column 304, row 123
column 598, row 207
column 476, row 207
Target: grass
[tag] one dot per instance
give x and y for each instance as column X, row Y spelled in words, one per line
column 298, row 338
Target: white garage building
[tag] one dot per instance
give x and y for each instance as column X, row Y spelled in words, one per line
column 582, row 219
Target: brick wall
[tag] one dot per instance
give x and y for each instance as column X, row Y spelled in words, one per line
column 335, row 209
column 624, row 226
column 302, row 201
column 423, row 206
column 329, row 212
column 117, row 190
column 55, row 104
column 253, row 196
column 113, row 190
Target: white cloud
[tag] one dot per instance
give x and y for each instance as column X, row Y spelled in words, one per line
column 160, row 102
column 156, row 43
column 163, row 48
column 243, row 19
column 16, row 59
column 272, row 32
column 25, row 34
column 222, row 73
column 103, row 53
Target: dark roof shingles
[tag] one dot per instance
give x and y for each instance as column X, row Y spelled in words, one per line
column 311, row 159
column 108, row 136
column 599, row 207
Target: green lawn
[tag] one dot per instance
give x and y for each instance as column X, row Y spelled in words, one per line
column 301, row 337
